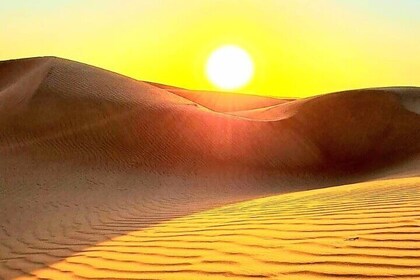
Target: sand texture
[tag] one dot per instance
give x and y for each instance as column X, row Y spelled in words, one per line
column 106, row 177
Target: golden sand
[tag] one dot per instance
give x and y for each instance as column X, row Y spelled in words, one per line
column 367, row 230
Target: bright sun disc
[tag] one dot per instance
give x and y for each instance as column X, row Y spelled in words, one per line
column 230, row 67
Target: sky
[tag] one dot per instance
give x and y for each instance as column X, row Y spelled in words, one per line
column 299, row 47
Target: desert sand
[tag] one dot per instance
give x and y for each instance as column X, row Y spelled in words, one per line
column 103, row 176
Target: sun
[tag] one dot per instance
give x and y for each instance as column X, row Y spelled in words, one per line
column 230, row 67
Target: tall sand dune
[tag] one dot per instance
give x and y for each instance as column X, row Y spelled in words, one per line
column 103, row 176
column 62, row 108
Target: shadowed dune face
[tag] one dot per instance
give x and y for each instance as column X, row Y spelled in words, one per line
column 88, row 114
column 103, row 176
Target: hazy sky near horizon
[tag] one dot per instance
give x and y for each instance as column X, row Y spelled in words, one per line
column 299, row 47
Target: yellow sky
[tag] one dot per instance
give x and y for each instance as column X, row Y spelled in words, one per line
column 299, row 47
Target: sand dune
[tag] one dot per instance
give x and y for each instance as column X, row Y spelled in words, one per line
column 103, row 176
column 85, row 113
column 368, row 230
column 224, row 101
column 228, row 102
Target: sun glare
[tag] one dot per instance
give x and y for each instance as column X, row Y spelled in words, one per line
column 229, row 67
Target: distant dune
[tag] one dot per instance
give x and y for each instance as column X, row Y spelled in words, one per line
column 103, row 176
column 67, row 109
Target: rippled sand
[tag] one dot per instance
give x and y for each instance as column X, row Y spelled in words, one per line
column 366, row 230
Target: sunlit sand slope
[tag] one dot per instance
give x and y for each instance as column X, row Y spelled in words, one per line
column 228, row 102
column 224, row 101
column 368, row 230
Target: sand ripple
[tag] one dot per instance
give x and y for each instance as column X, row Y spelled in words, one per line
column 368, row 230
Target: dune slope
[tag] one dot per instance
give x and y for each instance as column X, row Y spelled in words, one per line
column 66, row 109
column 363, row 231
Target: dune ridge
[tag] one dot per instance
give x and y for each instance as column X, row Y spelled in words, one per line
column 106, row 116
column 106, row 177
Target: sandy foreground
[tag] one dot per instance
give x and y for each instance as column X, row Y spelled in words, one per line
column 105, row 177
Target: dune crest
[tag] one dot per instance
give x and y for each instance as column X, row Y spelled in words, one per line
column 76, row 107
